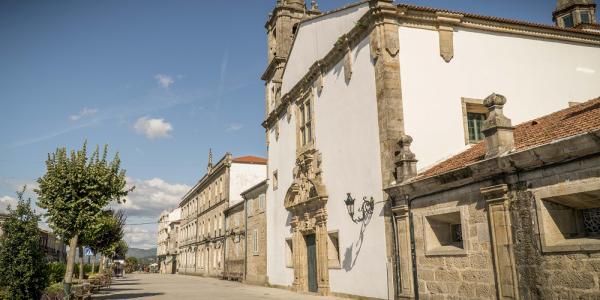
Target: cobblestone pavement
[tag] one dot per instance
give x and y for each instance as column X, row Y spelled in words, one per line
column 180, row 287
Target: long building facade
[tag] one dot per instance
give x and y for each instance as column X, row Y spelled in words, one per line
column 202, row 229
column 347, row 90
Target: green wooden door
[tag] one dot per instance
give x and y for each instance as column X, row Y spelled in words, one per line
column 312, row 262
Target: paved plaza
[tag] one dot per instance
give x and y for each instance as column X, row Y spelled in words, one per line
column 180, row 287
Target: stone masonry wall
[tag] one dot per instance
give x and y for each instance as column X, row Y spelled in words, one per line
column 257, row 262
column 467, row 276
column 569, row 275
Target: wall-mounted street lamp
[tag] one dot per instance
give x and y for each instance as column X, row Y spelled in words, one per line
column 366, row 208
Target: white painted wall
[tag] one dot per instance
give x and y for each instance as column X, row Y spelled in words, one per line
column 537, row 77
column 346, row 134
column 315, row 39
column 243, row 177
column 175, row 215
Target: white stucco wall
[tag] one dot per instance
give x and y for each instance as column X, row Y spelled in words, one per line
column 537, row 77
column 346, row 134
column 175, row 215
column 243, row 177
column 315, row 39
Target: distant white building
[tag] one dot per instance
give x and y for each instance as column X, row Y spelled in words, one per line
column 346, row 89
column 166, row 251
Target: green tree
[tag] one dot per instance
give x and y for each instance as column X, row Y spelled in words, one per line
column 108, row 230
column 23, row 266
column 75, row 191
column 131, row 264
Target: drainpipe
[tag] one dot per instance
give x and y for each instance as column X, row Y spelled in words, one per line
column 245, row 236
column 225, row 265
column 413, row 250
column 396, row 263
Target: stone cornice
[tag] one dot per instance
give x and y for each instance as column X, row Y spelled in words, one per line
column 427, row 18
column 225, row 161
column 579, row 146
column 276, row 62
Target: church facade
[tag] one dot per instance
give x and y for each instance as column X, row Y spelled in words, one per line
column 347, row 90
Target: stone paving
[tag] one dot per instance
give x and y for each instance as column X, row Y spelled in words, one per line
column 180, row 287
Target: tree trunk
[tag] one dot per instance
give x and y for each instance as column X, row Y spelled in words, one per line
column 70, row 266
column 101, row 264
column 93, row 263
column 81, row 262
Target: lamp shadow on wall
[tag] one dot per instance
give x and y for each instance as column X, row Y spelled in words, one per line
column 350, row 258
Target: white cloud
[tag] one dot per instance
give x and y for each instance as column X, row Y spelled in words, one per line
column 153, row 128
column 150, row 197
column 5, row 201
column 164, row 81
column 144, row 205
column 138, row 237
column 85, row 112
column 234, row 127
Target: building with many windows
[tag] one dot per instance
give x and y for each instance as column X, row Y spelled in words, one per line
column 348, row 92
column 167, row 244
column 202, row 229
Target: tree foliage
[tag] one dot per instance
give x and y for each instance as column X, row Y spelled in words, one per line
column 23, row 268
column 76, row 189
column 103, row 235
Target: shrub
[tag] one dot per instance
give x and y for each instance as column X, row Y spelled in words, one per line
column 57, row 271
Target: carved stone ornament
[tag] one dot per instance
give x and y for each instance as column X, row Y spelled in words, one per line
column 375, row 43
column 319, row 83
column 348, row 65
column 307, row 188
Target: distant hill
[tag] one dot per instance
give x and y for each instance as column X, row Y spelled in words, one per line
column 141, row 253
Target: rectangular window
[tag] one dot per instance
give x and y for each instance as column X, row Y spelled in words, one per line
column 585, row 17
column 289, row 251
column 255, row 242
column 568, row 21
column 443, row 232
column 474, row 123
column 305, row 112
column 275, row 180
column 261, row 202
column 333, row 250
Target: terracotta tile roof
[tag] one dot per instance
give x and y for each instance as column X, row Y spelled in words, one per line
column 578, row 119
column 496, row 19
column 249, row 159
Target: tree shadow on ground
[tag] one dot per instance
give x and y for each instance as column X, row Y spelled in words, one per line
column 126, row 296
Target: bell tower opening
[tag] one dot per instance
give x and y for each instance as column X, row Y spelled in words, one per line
column 574, row 13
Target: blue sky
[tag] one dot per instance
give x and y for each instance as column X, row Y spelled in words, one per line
column 159, row 81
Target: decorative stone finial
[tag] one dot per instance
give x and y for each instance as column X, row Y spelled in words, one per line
column 210, row 160
column 406, row 162
column 497, row 128
column 314, row 6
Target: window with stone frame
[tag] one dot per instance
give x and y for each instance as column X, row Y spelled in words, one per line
column 584, row 16
column 289, row 253
column 569, row 217
column 333, row 250
column 443, row 232
column 255, row 242
column 474, row 114
column 568, row 21
column 305, row 123
column 261, row 202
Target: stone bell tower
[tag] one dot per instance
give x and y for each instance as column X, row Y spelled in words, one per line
column 281, row 30
column 573, row 13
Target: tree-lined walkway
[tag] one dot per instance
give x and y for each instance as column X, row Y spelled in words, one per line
column 180, row 287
